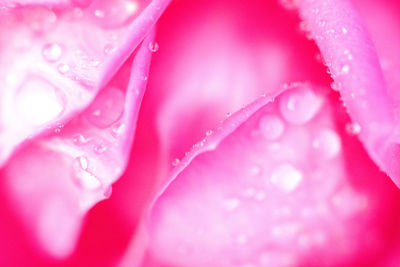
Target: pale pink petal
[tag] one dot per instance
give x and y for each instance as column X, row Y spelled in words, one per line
column 351, row 56
column 273, row 186
column 55, row 180
column 53, row 62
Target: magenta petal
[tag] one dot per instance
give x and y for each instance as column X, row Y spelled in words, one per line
column 351, row 57
column 55, row 180
column 270, row 187
column 53, row 62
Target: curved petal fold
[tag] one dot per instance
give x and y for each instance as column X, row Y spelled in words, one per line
column 271, row 187
column 56, row 179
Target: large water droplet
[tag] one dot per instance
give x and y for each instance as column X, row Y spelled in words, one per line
column 82, row 176
column 327, row 142
column 299, row 106
column 271, row 127
column 38, row 101
column 51, row 52
column 286, row 177
column 107, row 108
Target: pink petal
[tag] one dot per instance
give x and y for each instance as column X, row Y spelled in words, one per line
column 352, row 59
column 55, row 180
column 54, row 62
column 273, row 186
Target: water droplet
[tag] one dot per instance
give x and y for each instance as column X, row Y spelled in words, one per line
column 153, row 46
column 286, row 177
column 38, row 101
column 353, row 128
column 231, row 204
column 108, row 192
column 327, row 142
column 344, row 30
column 271, row 127
column 109, row 48
column 99, row 149
column 345, row 69
column 99, row 13
column 336, row 86
column 95, row 63
column 107, row 108
column 175, row 162
column 322, row 23
column 118, row 14
column 118, row 129
column 209, row 132
column 79, row 139
column 63, row 68
column 82, row 176
column 300, row 105
column 228, row 114
column 51, row 52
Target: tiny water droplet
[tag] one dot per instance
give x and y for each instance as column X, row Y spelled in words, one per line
column 344, row 30
column 109, row 48
column 336, row 86
column 85, row 179
column 99, row 149
column 79, row 139
column 153, row 46
column 95, row 63
column 228, row 114
column 175, row 162
column 209, row 132
column 353, row 128
column 345, row 69
column 108, row 192
column 118, row 129
column 51, row 52
column 63, row 68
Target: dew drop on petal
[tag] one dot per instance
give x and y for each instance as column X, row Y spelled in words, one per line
column 327, row 142
column 79, row 139
column 107, row 108
column 38, row 101
column 99, row 149
column 63, row 68
column 118, row 129
column 85, row 179
column 153, row 46
column 353, row 128
column 51, row 52
column 286, row 177
column 271, row 127
column 299, row 106
column 108, row 192
column 175, row 162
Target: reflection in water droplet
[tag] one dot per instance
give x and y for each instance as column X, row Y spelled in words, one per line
column 99, row 13
column 107, row 108
column 85, row 179
column 51, row 52
column 109, row 48
column 38, row 101
column 286, row 177
column 353, row 128
column 345, row 69
column 209, row 132
column 153, row 46
column 271, row 127
column 299, row 105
